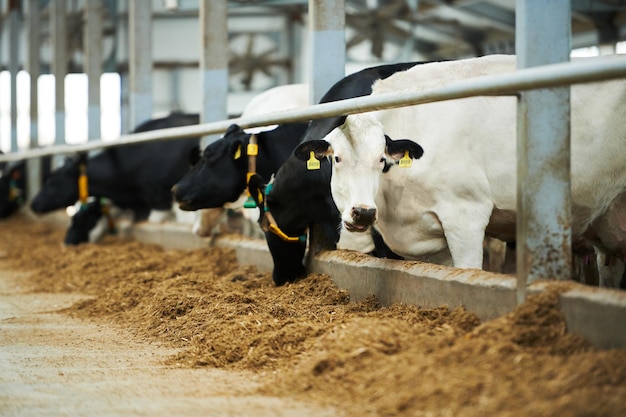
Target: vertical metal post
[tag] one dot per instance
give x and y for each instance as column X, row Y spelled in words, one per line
column 213, row 62
column 58, row 33
column 14, row 64
column 328, row 45
column 34, row 69
column 140, row 61
column 543, row 36
column 1, row 49
column 93, row 65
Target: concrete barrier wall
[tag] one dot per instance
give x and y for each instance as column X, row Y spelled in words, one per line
column 597, row 314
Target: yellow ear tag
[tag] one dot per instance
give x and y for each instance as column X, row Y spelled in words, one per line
column 405, row 161
column 313, row 163
column 238, row 152
column 252, row 149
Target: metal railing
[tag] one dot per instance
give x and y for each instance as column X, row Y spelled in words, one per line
column 583, row 71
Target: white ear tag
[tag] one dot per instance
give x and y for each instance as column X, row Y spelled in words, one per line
column 405, row 161
column 313, row 163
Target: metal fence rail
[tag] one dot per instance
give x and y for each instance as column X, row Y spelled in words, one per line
column 583, row 71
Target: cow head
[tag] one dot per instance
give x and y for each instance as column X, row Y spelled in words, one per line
column 219, row 176
column 60, row 189
column 298, row 197
column 12, row 184
column 361, row 154
column 83, row 222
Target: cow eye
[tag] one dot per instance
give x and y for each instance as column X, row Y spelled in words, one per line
column 337, row 159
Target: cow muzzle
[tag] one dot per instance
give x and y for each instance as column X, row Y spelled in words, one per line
column 362, row 218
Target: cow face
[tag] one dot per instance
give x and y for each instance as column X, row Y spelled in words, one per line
column 219, row 176
column 361, row 154
column 83, row 222
column 60, row 189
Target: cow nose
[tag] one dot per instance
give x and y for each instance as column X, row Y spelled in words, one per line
column 363, row 216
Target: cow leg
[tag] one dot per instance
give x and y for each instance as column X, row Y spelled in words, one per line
column 465, row 234
column 207, row 221
column 610, row 270
column 160, row 216
column 496, row 254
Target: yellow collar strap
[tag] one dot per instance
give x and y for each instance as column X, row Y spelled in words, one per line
column 83, row 191
column 252, row 150
column 268, row 223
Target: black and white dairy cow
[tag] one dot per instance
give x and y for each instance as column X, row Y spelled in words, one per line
column 12, row 186
column 219, row 176
column 136, row 177
column 13, row 176
column 217, row 179
column 440, row 176
column 299, row 197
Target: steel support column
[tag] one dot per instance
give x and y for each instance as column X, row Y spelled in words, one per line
column 14, row 64
column 140, row 61
column 543, row 36
column 58, row 33
column 93, row 65
column 33, row 22
column 213, row 62
column 328, row 45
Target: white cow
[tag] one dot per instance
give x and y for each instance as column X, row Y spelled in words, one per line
column 452, row 180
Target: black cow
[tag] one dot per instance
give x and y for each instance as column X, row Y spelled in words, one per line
column 300, row 198
column 12, row 187
column 13, row 176
column 219, row 176
column 137, row 176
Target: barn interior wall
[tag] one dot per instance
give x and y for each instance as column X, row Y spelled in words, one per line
column 176, row 47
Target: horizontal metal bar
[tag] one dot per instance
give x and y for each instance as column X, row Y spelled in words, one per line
column 526, row 79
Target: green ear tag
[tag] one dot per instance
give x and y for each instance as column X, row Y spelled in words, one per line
column 312, row 163
column 405, row 161
column 238, row 152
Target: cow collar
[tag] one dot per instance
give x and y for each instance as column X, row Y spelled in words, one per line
column 15, row 193
column 268, row 223
column 252, row 150
column 83, row 189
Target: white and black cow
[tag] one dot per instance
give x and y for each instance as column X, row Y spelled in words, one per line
column 300, row 198
column 440, row 176
column 137, row 177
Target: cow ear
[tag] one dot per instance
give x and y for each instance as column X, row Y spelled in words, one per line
column 398, row 148
column 320, row 149
column 82, row 157
column 232, row 129
column 194, row 155
column 256, row 188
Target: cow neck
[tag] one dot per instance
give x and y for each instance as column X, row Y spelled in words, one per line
column 268, row 223
column 83, row 196
column 15, row 192
column 83, row 186
column 252, row 150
